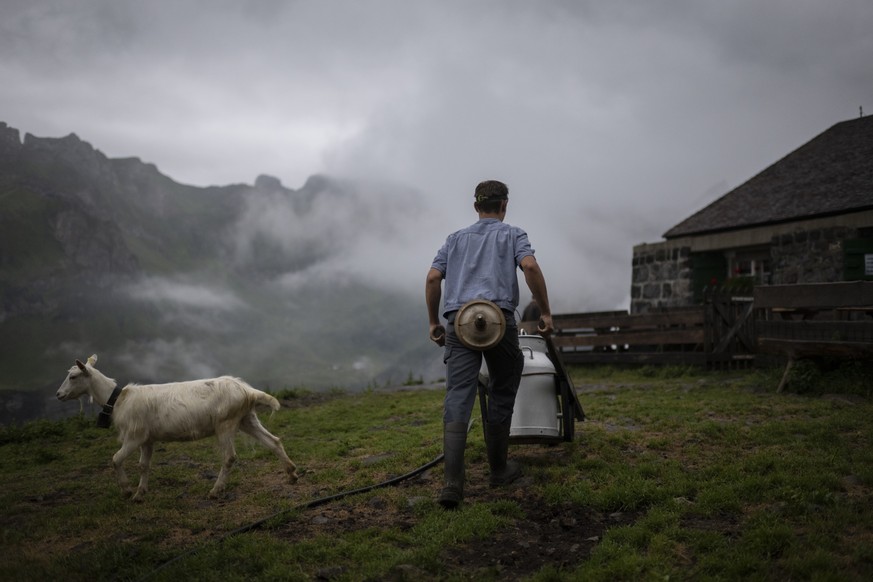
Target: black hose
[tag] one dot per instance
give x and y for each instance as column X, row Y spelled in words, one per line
column 309, row 505
column 338, row 496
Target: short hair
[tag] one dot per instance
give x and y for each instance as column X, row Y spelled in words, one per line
column 489, row 196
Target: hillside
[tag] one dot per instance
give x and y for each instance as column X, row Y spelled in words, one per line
column 167, row 281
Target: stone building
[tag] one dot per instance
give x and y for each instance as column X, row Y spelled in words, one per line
column 808, row 218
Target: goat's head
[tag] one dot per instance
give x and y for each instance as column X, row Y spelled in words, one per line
column 78, row 380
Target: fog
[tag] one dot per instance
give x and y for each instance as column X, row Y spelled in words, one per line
column 610, row 122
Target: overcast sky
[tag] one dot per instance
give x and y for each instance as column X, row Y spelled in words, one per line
column 610, row 121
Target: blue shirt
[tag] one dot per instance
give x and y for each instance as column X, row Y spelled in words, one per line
column 479, row 262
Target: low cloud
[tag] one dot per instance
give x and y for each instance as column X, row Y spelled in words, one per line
column 167, row 360
column 185, row 303
column 377, row 233
column 185, row 294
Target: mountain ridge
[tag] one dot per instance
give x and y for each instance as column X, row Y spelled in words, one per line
column 167, row 281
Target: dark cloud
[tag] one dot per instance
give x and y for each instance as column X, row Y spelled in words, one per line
column 611, row 122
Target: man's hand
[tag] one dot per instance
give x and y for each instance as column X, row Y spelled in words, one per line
column 545, row 326
column 533, row 276
column 438, row 334
column 432, row 292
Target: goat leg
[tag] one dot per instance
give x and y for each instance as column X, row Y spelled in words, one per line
column 145, row 459
column 253, row 427
column 118, row 464
column 225, row 442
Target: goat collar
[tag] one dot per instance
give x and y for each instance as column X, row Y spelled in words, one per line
column 104, row 419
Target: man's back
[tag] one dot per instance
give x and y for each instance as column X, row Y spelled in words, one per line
column 480, row 261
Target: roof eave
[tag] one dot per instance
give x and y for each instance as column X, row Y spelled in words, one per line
column 670, row 234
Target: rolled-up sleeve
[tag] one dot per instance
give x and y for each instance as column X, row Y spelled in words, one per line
column 441, row 260
column 522, row 246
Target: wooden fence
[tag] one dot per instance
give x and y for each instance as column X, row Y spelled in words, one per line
column 674, row 336
column 815, row 320
column 730, row 329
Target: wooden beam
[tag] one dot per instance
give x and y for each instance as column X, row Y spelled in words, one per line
column 784, row 381
column 675, row 358
column 860, row 331
column 815, row 295
column 814, row 348
column 633, row 338
column 623, row 319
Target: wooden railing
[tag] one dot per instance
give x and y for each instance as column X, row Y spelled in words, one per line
column 730, row 329
column 669, row 336
column 815, row 320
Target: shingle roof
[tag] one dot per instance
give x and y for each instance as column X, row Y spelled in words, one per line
column 831, row 174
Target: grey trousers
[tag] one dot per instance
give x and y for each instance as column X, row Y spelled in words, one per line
column 505, row 364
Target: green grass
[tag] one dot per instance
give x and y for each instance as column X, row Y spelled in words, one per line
column 717, row 476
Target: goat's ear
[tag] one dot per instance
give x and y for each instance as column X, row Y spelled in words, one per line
column 92, row 360
column 83, row 368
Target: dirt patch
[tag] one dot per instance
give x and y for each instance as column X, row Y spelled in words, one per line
column 546, row 535
column 559, row 536
column 562, row 536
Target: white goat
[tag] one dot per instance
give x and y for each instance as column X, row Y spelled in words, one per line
column 180, row 411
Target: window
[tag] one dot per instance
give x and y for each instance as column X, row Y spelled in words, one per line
column 752, row 264
column 858, row 259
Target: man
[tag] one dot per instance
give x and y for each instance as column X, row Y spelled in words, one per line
column 479, row 262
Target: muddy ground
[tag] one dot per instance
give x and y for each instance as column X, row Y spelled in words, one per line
column 562, row 536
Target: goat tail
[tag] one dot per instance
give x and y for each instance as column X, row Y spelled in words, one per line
column 260, row 397
column 269, row 400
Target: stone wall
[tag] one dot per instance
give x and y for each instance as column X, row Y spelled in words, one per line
column 809, row 256
column 661, row 277
column 663, row 272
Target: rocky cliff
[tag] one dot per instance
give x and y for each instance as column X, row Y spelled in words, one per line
column 168, row 281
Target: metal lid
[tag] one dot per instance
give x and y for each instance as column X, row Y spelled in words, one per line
column 536, row 362
column 535, row 342
column 480, row 324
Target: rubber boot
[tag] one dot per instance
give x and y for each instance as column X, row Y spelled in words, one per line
column 503, row 472
column 454, row 443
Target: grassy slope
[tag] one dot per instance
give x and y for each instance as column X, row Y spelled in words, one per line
column 725, row 478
